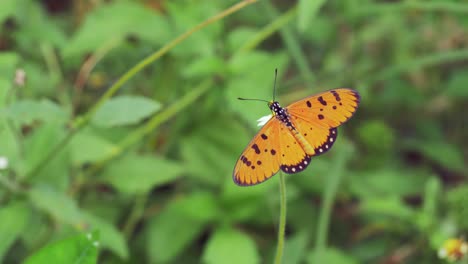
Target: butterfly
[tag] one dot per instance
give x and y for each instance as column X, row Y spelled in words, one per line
column 294, row 134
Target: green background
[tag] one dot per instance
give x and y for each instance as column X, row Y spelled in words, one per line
column 146, row 177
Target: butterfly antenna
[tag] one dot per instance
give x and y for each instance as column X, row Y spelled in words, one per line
column 250, row 99
column 274, row 85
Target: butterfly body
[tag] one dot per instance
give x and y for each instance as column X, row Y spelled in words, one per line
column 294, row 135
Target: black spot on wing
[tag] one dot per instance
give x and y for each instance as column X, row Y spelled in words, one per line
column 322, row 101
column 255, row 147
column 309, row 104
column 337, row 96
column 295, row 168
column 264, row 136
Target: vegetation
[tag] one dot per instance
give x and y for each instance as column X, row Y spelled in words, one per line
column 119, row 133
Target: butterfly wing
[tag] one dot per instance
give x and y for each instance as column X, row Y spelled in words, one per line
column 259, row 160
column 316, row 117
column 273, row 148
column 326, row 110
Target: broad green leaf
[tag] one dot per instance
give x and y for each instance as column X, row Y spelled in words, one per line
column 210, row 65
column 26, row 112
column 227, row 245
column 388, row 206
column 61, row 207
column 14, row 217
column 102, row 27
column 170, row 232
column 38, row 144
column 88, row 147
column 211, row 150
column 201, row 206
column 307, row 12
column 79, row 249
column 124, row 110
column 385, row 182
column 139, row 174
column 331, row 255
column 109, row 235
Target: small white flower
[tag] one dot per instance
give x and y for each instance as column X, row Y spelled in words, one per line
column 3, row 163
column 262, row 120
column 96, row 243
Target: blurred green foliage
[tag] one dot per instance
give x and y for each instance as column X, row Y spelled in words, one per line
column 148, row 179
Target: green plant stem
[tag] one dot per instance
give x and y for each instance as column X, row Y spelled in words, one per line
column 292, row 45
column 269, row 30
column 329, row 196
column 282, row 220
column 135, row 215
column 80, row 122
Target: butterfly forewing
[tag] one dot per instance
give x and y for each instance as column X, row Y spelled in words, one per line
column 326, row 110
column 260, row 160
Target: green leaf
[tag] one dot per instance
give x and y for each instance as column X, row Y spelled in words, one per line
column 307, row 12
column 56, row 204
column 228, row 245
column 331, row 255
column 124, row 110
column 140, row 173
column 201, row 206
column 79, row 249
column 388, row 206
column 102, row 28
column 39, row 143
column 109, row 235
column 210, row 151
column 15, row 217
column 173, row 230
column 88, row 147
column 26, row 112
column 389, row 181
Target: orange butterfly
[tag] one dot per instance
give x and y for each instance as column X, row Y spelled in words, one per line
column 294, row 134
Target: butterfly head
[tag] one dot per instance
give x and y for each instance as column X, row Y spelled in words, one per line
column 275, row 108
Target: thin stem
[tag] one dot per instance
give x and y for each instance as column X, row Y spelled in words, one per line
column 292, row 44
column 80, row 122
column 282, row 222
column 269, row 30
column 137, row 212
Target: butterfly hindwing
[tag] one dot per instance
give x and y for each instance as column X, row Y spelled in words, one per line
column 261, row 159
column 320, row 139
column 292, row 157
column 326, row 110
